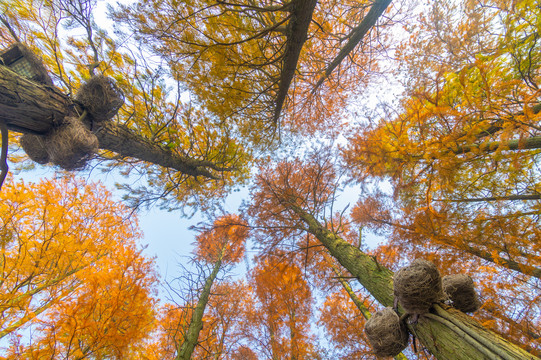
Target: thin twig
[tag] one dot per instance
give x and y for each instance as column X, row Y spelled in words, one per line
column 10, row 29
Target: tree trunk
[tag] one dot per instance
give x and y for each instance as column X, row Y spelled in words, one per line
column 511, row 264
column 446, row 332
column 186, row 348
column 26, row 106
column 29, row 107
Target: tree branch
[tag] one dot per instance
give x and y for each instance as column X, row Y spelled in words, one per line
column 495, row 198
column 355, row 37
column 492, row 146
column 29, row 107
column 301, row 17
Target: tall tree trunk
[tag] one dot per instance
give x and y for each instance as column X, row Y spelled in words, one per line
column 446, row 332
column 294, row 349
column 465, row 246
column 29, row 107
column 187, row 346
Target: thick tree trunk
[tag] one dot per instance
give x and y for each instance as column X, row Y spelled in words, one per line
column 29, row 107
column 187, row 346
column 446, row 332
column 26, row 106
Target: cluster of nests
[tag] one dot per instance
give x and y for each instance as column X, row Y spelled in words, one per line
column 71, row 145
column 417, row 287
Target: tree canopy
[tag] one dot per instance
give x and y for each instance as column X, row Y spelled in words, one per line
column 362, row 135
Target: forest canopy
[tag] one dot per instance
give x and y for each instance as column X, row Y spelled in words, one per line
column 363, row 139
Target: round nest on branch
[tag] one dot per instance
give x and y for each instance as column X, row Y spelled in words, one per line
column 71, row 145
column 461, row 290
column 387, row 335
column 38, row 71
column 100, row 97
column 418, row 286
column 35, row 147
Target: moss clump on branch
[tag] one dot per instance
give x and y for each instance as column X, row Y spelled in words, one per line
column 461, row 291
column 100, row 97
column 387, row 335
column 418, row 286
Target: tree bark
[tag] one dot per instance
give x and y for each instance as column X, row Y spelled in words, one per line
column 29, row 107
column 446, row 332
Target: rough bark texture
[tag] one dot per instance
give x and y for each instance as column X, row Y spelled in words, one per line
column 26, row 106
column 446, row 332
column 123, row 141
column 187, row 346
column 301, row 16
column 356, row 36
column 29, row 107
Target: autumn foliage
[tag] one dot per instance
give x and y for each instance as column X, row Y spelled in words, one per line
column 290, row 98
column 225, row 240
column 69, row 255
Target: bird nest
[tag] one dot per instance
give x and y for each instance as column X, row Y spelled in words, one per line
column 387, row 335
column 69, row 146
column 461, row 291
column 22, row 60
column 101, row 98
column 418, row 286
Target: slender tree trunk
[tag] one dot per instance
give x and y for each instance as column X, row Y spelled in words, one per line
column 272, row 336
column 520, row 267
column 522, row 197
column 29, row 107
column 446, row 332
column 294, row 350
column 187, row 346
